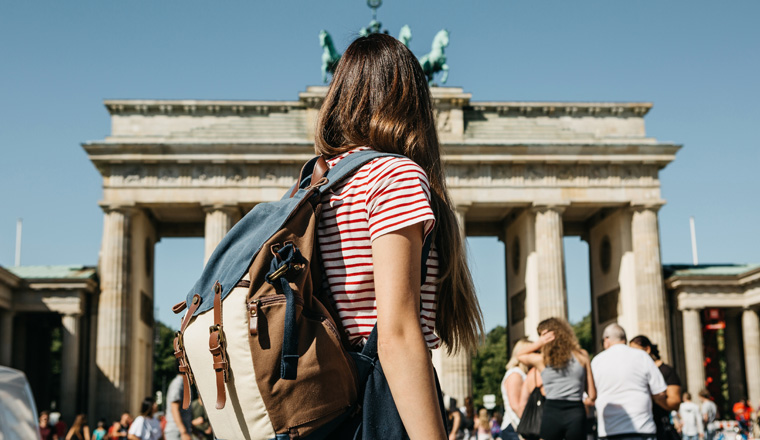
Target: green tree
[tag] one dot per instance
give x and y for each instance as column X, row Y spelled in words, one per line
column 164, row 364
column 488, row 366
column 583, row 332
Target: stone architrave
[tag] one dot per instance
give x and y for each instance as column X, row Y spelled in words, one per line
column 751, row 330
column 114, row 316
column 219, row 220
column 551, row 267
column 650, row 292
column 70, row 364
column 695, row 359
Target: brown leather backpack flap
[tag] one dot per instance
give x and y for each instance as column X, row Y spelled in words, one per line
column 326, row 381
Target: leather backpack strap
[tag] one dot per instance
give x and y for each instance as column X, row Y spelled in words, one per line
column 181, row 355
column 317, row 167
column 216, row 347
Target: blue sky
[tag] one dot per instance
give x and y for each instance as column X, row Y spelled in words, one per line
column 697, row 61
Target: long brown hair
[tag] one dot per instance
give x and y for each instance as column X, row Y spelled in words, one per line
column 379, row 97
column 557, row 353
column 78, row 426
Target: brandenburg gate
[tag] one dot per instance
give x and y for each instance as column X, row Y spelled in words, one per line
column 528, row 173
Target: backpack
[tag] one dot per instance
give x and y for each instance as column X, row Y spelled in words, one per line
column 276, row 364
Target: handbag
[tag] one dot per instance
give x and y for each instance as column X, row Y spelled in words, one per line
column 530, row 423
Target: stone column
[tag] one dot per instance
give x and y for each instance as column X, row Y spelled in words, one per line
column 114, row 330
column 6, row 337
column 219, row 220
column 551, row 267
column 751, row 330
column 70, row 366
column 694, row 356
column 456, row 377
column 650, row 294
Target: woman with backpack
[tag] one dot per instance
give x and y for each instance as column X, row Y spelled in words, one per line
column 566, row 374
column 375, row 225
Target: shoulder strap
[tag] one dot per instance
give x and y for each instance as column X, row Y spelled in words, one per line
column 349, row 165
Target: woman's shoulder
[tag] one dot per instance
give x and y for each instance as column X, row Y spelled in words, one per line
column 515, row 370
column 581, row 356
column 669, row 374
column 394, row 166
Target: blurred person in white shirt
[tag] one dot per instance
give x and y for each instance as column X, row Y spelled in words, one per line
column 627, row 380
column 690, row 418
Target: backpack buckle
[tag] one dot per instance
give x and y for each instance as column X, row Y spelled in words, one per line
column 217, row 328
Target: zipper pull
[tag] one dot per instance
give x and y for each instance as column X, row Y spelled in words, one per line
column 253, row 321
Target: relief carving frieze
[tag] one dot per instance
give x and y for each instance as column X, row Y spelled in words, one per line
column 462, row 175
column 570, row 175
column 201, row 175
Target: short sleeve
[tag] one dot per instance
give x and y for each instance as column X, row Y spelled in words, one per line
column 136, row 428
column 174, row 393
column 657, row 383
column 398, row 196
column 705, row 409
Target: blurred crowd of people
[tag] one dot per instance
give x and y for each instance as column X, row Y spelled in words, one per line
column 553, row 390
column 175, row 424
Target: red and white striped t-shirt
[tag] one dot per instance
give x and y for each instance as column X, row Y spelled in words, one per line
column 385, row 195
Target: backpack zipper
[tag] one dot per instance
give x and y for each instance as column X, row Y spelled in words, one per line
column 253, row 323
column 255, row 306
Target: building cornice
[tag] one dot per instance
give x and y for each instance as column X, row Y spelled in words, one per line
column 313, row 97
column 89, row 285
column 9, row 279
column 194, row 107
column 292, row 152
column 680, row 282
column 558, row 108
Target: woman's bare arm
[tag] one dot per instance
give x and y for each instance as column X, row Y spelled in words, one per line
column 455, row 422
column 672, row 398
column 402, row 349
column 590, row 384
column 527, row 388
column 527, row 355
column 514, row 385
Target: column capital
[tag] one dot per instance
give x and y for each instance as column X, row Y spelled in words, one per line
column 229, row 208
column 462, row 207
column 124, row 208
column 558, row 206
column 647, row 205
